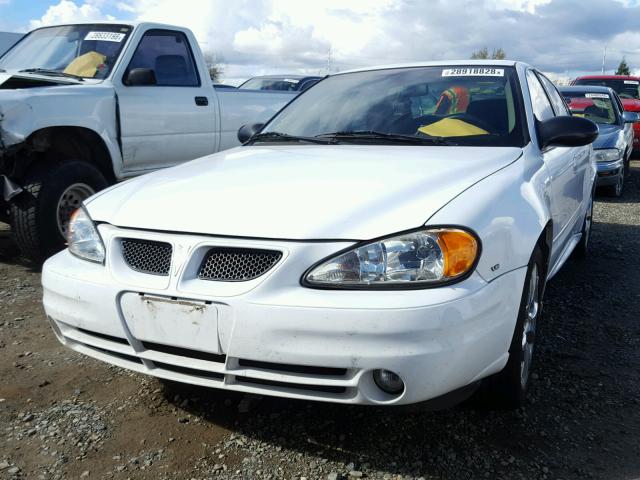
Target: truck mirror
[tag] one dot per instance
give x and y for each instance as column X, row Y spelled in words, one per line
column 249, row 130
column 139, row 77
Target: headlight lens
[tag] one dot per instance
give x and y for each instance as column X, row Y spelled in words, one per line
column 412, row 260
column 83, row 238
column 607, row 155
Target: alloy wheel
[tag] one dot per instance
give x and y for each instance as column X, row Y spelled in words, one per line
column 532, row 309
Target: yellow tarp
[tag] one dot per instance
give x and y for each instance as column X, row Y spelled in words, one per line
column 451, row 127
column 86, row 65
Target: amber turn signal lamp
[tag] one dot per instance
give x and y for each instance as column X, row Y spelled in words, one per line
column 459, row 249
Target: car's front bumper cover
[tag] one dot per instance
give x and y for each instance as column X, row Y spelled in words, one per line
column 278, row 338
column 609, row 172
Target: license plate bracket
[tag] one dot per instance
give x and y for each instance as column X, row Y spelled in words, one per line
column 190, row 324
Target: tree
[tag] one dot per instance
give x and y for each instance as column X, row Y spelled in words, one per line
column 623, row 68
column 483, row 54
column 215, row 65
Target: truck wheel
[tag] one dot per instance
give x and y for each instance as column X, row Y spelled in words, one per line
column 508, row 388
column 40, row 215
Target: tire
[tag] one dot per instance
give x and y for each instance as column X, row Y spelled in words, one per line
column 582, row 249
column 508, row 388
column 51, row 193
column 617, row 189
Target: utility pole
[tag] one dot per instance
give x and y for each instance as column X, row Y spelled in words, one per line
column 604, row 57
column 329, row 61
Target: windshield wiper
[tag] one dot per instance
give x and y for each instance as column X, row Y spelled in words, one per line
column 284, row 137
column 51, row 73
column 388, row 137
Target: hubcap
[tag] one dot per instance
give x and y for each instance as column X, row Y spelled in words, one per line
column 70, row 200
column 532, row 309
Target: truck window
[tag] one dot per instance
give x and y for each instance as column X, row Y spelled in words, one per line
column 169, row 55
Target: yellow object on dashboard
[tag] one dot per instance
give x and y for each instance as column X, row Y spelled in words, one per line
column 451, row 127
column 86, row 65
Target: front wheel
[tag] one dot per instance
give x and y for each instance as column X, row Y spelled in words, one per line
column 508, row 388
column 616, row 189
column 40, row 214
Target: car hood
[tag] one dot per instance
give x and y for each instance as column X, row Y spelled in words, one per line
column 301, row 192
column 607, row 136
column 631, row 104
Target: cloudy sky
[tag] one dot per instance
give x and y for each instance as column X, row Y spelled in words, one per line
column 565, row 37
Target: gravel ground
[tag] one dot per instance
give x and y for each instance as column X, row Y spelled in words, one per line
column 66, row 416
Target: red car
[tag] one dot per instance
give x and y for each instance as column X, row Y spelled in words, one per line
column 627, row 88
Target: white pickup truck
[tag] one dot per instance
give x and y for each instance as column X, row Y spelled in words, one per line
column 84, row 106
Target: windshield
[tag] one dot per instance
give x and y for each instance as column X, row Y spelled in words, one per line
column 597, row 107
column 476, row 106
column 87, row 51
column 283, row 84
column 624, row 88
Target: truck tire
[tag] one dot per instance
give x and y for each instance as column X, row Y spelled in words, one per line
column 40, row 214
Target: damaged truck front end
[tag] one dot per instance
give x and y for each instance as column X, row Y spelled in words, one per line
column 15, row 126
column 52, row 156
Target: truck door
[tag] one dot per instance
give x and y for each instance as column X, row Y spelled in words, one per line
column 174, row 118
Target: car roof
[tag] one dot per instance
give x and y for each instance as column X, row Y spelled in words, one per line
column 608, row 77
column 440, row 63
column 284, row 77
column 586, row 89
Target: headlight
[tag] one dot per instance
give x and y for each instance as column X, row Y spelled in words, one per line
column 83, row 238
column 607, row 155
column 417, row 259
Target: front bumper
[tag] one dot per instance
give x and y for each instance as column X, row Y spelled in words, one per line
column 272, row 336
column 609, row 172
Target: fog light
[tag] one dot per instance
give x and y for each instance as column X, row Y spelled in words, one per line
column 388, row 381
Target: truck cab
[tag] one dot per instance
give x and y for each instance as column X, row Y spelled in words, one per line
column 84, row 106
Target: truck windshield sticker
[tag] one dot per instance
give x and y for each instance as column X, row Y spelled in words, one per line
column 632, row 82
column 473, row 72
column 596, row 95
column 105, row 36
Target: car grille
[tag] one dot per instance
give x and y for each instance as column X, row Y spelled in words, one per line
column 147, row 256
column 236, row 264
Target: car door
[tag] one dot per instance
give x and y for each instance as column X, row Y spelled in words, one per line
column 579, row 156
column 173, row 120
column 561, row 164
column 628, row 127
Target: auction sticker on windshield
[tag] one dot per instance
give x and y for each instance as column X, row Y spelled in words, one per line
column 473, row 72
column 105, row 36
column 632, row 82
column 596, row 95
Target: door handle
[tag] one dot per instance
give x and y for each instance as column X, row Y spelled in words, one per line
column 202, row 101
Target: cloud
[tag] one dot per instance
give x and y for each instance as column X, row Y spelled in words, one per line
column 289, row 36
column 67, row 11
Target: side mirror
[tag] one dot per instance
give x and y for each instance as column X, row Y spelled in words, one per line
column 630, row 117
column 566, row 132
column 249, row 130
column 140, row 77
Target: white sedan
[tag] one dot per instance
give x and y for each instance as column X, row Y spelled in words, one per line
column 385, row 239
